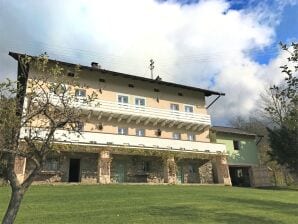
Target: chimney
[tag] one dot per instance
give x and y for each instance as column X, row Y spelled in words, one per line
column 95, row 65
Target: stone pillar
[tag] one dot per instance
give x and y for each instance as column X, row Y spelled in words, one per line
column 221, row 169
column 170, row 170
column 20, row 168
column 104, row 167
column 205, row 173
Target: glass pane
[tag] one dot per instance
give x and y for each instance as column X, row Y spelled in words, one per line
column 191, row 137
column 140, row 132
column 80, row 92
column 122, row 131
column 176, row 136
column 122, row 99
column 140, row 101
column 174, row 106
column 189, row 109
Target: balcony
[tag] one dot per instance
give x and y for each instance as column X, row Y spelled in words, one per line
column 147, row 115
column 129, row 141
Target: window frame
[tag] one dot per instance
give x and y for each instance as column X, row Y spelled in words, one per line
column 80, row 89
column 139, row 129
column 48, row 165
column 121, row 94
column 188, row 105
column 140, row 97
column 124, row 128
column 194, row 137
column 179, row 134
column 79, row 126
column 146, row 166
column 176, row 104
column 236, row 145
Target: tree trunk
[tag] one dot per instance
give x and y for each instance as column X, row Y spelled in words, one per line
column 14, row 205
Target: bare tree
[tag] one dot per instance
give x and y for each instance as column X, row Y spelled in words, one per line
column 280, row 105
column 34, row 110
column 280, row 101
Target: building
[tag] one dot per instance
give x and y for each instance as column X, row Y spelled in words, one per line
column 243, row 158
column 139, row 130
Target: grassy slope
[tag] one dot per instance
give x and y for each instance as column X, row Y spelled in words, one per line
column 154, row 204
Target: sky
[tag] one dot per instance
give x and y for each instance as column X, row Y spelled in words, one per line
column 229, row 46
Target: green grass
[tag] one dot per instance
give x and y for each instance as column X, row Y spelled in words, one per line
column 154, row 204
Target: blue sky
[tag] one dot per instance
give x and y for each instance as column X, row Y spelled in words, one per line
column 225, row 45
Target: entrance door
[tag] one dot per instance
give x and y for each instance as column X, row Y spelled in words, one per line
column 119, row 175
column 240, row 176
column 180, row 174
column 74, row 170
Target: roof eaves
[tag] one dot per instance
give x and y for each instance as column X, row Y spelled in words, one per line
column 207, row 92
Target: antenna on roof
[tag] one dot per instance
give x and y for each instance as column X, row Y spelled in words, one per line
column 151, row 67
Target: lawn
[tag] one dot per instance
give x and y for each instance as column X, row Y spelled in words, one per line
column 154, row 204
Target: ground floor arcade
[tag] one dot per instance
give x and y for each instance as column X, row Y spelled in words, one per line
column 110, row 166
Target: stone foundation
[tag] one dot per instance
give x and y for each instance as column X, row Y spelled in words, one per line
column 136, row 169
column 105, row 167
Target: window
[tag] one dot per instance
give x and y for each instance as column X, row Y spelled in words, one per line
column 122, row 99
column 70, row 74
column 140, row 132
column 123, row 131
column 99, row 126
column 236, row 145
column 188, row 109
column 176, row 136
column 158, row 132
column 239, row 173
column 79, row 126
column 80, row 92
column 192, row 168
column 139, row 101
column 174, row 107
column 59, row 89
column 191, row 137
column 146, row 166
column 51, row 164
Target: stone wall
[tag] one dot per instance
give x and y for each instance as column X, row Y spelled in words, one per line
column 128, row 169
column 206, row 172
column 87, row 173
column 194, row 171
column 136, row 169
column 261, row 177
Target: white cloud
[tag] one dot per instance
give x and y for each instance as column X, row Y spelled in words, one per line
column 196, row 44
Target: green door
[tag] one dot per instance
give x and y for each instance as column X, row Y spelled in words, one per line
column 180, row 174
column 119, row 176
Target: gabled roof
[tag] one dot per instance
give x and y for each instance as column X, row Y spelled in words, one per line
column 207, row 92
column 231, row 130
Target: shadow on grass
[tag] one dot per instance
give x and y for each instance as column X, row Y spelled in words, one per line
column 288, row 188
column 283, row 207
column 189, row 214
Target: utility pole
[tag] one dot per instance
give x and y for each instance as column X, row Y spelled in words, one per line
column 151, row 67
